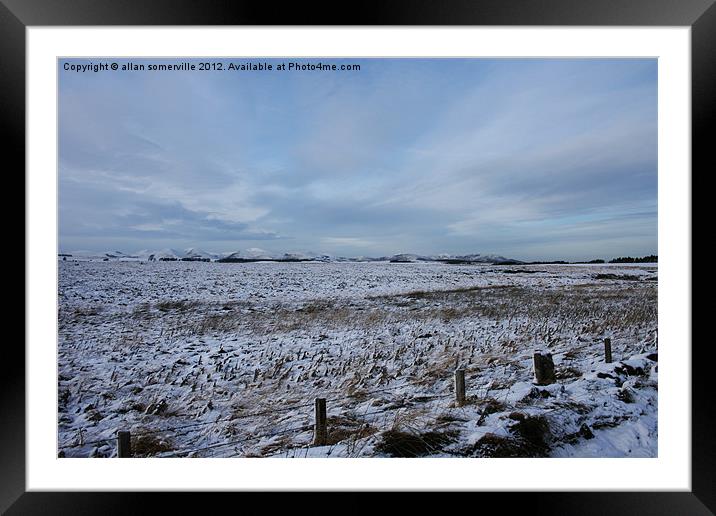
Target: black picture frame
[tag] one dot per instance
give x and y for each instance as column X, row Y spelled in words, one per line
column 700, row 15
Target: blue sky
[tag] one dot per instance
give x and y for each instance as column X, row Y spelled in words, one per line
column 528, row 158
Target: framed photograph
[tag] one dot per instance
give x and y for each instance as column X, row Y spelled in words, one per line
column 428, row 248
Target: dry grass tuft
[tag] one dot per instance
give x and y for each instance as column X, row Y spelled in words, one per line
column 176, row 304
column 343, row 428
column 396, row 443
column 530, row 438
column 150, row 445
column 564, row 373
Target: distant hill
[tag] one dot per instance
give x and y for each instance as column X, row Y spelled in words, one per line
column 254, row 254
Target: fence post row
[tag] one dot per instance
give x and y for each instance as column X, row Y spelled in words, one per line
column 543, row 375
column 320, row 432
column 124, row 444
column 459, row 387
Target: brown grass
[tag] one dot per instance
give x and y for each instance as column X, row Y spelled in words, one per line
column 396, row 443
column 544, row 313
column 176, row 304
column 530, row 438
column 343, row 428
column 150, row 445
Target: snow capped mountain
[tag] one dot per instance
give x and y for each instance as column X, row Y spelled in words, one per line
column 118, row 254
column 306, row 256
column 256, row 253
column 230, row 256
column 449, row 258
column 85, row 255
column 475, row 258
column 194, row 254
column 404, row 258
column 166, row 255
column 99, row 255
column 253, row 254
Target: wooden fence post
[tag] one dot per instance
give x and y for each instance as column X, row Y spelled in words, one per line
column 544, row 368
column 459, row 387
column 320, row 432
column 608, row 350
column 124, row 444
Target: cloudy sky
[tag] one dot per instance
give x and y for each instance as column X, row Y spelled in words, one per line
column 531, row 159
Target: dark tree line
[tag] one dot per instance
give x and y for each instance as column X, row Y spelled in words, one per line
column 628, row 259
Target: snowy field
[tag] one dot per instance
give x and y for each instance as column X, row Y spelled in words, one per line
column 225, row 360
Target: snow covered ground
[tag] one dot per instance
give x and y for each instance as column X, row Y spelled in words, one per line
column 225, row 359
